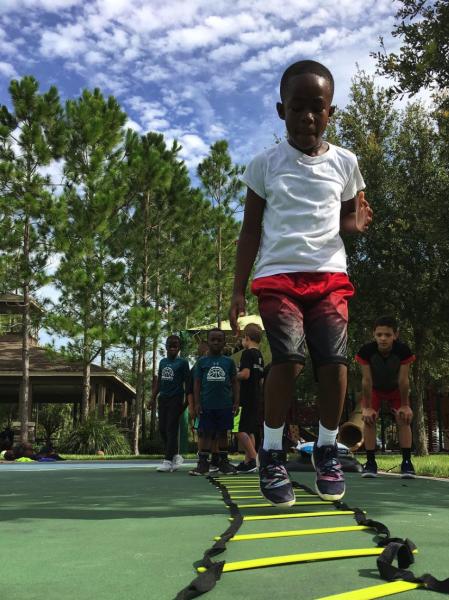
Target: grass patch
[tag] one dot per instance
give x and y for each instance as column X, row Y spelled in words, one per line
column 434, row 465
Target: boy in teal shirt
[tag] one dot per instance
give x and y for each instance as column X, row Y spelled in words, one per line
column 216, row 396
column 172, row 384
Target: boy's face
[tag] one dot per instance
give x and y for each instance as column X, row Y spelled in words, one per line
column 306, row 109
column 245, row 340
column 172, row 347
column 216, row 342
column 384, row 337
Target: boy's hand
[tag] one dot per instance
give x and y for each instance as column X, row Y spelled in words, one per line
column 235, row 407
column 197, row 410
column 192, row 413
column 363, row 212
column 369, row 416
column 404, row 414
column 237, row 310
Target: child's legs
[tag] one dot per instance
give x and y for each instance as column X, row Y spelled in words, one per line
column 162, row 414
column 222, row 439
column 283, row 321
column 247, row 442
column 247, row 427
column 172, row 427
column 326, row 327
column 204, row 441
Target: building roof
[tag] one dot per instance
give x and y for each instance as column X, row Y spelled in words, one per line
column 226, row 326
column 47, row 363
column 14, row 303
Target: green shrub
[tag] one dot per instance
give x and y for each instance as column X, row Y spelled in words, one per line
column 95, row 434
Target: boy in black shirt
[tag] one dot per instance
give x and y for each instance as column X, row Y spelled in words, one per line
column 385, row 365
column 216, row 396
column 250, row 376
column 172, row 386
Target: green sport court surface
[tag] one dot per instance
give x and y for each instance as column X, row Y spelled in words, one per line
column 110, row 531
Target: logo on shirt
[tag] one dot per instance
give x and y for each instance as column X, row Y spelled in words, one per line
column 216, row 374
column 167, row 374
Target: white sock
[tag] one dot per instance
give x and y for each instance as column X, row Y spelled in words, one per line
column 326, row 437
column 272, row 437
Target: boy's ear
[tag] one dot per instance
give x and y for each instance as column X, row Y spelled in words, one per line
column 332, row 110
column 281, row 110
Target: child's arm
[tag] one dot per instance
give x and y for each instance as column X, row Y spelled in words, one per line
column 235, row 394
column 196, row 395
column 247, row 249
column 368, row 413
column 405, row 412
column 244, row 374
column 156, row 390
column 355, row 214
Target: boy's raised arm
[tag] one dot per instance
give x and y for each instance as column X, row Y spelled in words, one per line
column 247, row 249
column 355, row 214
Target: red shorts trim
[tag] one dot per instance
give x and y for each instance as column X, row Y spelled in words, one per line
column 393, row 397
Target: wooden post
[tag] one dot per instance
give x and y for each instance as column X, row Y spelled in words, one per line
column 101, row 399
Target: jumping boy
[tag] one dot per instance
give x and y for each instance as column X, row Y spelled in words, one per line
column 385, row 365
column 216, row 395
column 250, row 376
column 301, row 193
column 172, row 385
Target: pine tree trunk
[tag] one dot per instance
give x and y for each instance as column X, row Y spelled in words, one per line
column 219, row 277
column 25, row 383
column 419, row 427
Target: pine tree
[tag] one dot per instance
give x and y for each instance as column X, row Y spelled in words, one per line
column 31, row 136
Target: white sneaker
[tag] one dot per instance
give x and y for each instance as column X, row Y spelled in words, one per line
column 165, row 467
column 177, row 462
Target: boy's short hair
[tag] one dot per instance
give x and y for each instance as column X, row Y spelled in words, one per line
column 386, row 321
column 253, row 331
column 173, row 337
column 215, row 329
column 302, row 67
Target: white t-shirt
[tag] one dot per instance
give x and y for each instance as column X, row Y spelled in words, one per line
column 303, row 194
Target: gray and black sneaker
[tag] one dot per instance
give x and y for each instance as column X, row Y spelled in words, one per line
column 202, row 467
column 214, row 465
column 370, row 469
column 330, row 481
column 225, row 466
column 275, row 484
column 249, row 467
column 407, row 470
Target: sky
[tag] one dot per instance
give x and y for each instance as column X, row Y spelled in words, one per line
column 194, row 70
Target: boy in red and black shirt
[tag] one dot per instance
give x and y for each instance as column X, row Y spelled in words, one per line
column 385, row 365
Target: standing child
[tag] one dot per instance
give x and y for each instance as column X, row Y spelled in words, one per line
column 385, row 365
column 301, row 193
column 172, row 384
column 203, row 350
column 250, row 376
column 216, row 394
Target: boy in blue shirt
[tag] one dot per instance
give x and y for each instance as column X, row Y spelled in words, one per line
column 301, row 193
column 216, row 397
column 172, row 384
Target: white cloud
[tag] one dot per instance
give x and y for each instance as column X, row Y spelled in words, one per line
column 151, row 114
column 228, row 52
column 7, row 70
column 194, row 149
column 67, row 42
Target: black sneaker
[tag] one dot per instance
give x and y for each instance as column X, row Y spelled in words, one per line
column 330, row 481
column 275, row 484
column 202, row 467
column 407, row 470
column 225, row 466
column 249, row 467
column 370, row 469
column 214, row 466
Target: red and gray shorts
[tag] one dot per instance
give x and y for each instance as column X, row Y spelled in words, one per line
column 300, row 308
column 393, row 397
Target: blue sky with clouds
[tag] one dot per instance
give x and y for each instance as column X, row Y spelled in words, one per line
column 195, row 70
